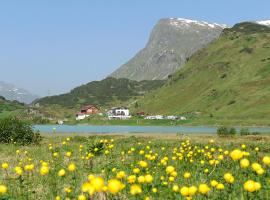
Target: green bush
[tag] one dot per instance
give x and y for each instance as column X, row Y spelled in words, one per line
column 244, row 131
column 225, row 131
column 13, row 130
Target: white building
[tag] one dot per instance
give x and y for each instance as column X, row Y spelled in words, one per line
column 172, row 117
column 119, row 113
column 81, row 116
column 154, row 117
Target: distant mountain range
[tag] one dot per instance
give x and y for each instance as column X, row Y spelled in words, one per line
column 11, row 92
column 172, row 42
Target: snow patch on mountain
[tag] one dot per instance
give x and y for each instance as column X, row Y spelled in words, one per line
column 264, row 22
column 178, row 22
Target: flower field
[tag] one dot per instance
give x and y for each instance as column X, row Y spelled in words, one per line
column 118, row 167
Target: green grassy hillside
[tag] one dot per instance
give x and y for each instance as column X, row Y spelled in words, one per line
column 226, row 82
column 102, row 92
column 11, row 108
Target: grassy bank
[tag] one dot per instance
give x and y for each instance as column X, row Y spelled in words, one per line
column 147, row 167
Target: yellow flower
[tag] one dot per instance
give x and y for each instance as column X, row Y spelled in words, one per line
column 131, row 179
column 174, row 174
column 61, row 172
column 175, row 188
column 148, row 178
column 114, row 186
column 135, row 189
column 141, row 179
column 252, row 186
column 244, row 163
column 214, row 183
column 29, row 167
column 57, row 198
column 143, row 164
column 87, row 187
column 266, row 160
column 4, row 165
column 68, row 189
column 171, row 178
column 184, row 191
column 68, row 154
column 97, row 183
column 220, row 186
column 121, row 175
column 44, row 170
column 260, row 171
column 169, row 169
column 18, row 171
column 229, row 178
column 187, row 175
column 256, row 166
column 249, row 186
column 136, row 170
column 72, row 167
column 3, row 189
column 154, row 190
column 81, row 197
column 236, row 154
column 192, row 190
column 203, row 188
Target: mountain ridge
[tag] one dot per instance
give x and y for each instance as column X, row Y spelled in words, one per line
column 172, row 41
column 11, row 92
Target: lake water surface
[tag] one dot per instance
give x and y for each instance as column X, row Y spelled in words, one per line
column 134, row 129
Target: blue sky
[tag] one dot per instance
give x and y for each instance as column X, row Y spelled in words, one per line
column 49, row 46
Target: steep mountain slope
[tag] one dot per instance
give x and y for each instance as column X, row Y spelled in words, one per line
column 102, row 93
column 12, row 93
column 227, row 80
column 171, row 43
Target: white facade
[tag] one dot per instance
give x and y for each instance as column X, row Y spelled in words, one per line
column 119, row 113
column 172, row 117
column 182, row 118
column 81, row 116
column 154, row 117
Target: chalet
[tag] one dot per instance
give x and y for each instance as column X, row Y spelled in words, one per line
column 118, row 113
column 90, row 110
column 87, row 111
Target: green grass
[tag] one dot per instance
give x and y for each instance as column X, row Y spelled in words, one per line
column 226, row 82
column 124, row 155
column 11, row 108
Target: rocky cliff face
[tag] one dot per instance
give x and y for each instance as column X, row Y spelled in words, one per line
column 171, row 44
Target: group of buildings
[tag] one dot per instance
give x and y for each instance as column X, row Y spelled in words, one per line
column 113, row 113
column 119, row 113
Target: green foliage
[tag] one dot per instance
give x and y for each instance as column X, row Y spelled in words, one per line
column 13, row 130
column 102, row 92
column 40, row 120
column 96, row 147
column 226, row 131
column 244, row 131
column 220, row 81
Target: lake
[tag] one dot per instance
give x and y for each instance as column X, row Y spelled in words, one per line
column 134, row 129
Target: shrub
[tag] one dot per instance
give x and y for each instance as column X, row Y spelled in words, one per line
column 244, row 131
column 232, row 131
column 225, row 131
column 13, row 130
